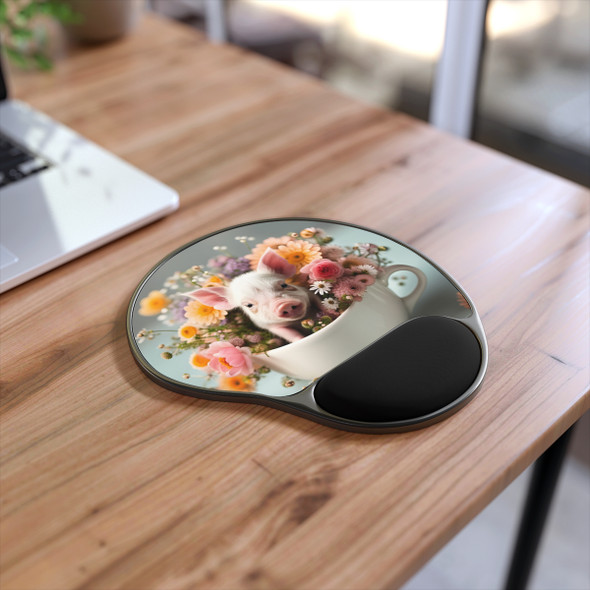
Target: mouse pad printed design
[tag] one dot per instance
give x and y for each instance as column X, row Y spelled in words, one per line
column 271, row 306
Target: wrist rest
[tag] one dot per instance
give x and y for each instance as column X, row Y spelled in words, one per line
column 414, row 370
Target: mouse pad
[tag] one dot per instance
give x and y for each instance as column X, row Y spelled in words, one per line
column 324, row 319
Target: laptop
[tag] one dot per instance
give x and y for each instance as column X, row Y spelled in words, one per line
column 62, row 195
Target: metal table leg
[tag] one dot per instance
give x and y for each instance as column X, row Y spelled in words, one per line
column 538, row 501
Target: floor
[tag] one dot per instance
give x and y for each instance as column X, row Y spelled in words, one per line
column 477, row 558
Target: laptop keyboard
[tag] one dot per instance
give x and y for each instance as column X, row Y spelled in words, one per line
column 16, row 162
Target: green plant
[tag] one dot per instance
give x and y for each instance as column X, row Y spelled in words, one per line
column 24, row 31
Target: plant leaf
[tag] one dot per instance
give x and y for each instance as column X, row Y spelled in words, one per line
column 16, row 57
column 42, row 61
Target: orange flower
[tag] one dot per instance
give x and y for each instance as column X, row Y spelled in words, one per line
column 260, row 249
column 213, row 281
column 308, row 232
column 299, row 253
column 203, row 315
column 153, row 304
column 187, row 332
column 237, row 383
column 198, row 360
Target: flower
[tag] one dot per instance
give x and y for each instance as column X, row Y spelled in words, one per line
column 308, row 232
column 332, row 252
column 203, row 315
column 364, row 279
column 365, row 269
column 218, row 261
column 321, row 287
column 228, row 359
column 351, row 261
column 299, row 252
column 236, row 383
column 261, row 248
column 213, row 281
column 187, row 332
column 236, row 266
column 154, row 303
column 176, row 310
column 198, row 360
column 366, row 249
column 330, row 303
column 323, row 269
column 349, row 287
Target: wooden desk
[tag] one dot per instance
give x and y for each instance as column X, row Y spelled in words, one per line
column 110, row 481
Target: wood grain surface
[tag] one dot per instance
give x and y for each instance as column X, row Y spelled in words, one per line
column 110, row 481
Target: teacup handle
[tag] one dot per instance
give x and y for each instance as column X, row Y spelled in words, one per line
column 411, row 299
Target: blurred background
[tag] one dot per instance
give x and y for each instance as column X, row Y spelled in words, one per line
column 534, row 99
column 533, row 104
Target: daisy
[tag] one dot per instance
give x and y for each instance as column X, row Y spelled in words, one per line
column 320, row 287
column 365, row 269
column 366, row 249
column 330, row 303
column 299, row 253
column 187, row 332
column 203, row 315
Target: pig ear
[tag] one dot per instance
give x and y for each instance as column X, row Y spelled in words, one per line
column 216, row 297
column 272, row 262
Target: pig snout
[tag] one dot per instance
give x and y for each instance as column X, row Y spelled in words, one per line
column 288, row 308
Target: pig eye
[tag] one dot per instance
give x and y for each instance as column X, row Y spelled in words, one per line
column 284, row 286
column 248, row 305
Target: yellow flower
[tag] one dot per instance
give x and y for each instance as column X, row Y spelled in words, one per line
column 299, row 253
column 261, row 248
column 187, row 332
column 308, row 233
column 237, row 383
column 198, row 360
column 213, row 281
column 202, row 315
column 153, row 304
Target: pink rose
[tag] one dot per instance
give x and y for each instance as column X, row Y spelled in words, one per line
column 322, row 270
column 229, row 359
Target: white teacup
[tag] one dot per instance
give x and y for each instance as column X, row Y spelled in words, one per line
column 362, row 323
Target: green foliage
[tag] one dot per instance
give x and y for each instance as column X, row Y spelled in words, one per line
column 24, row 38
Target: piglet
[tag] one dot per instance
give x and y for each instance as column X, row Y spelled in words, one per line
column 264, row 295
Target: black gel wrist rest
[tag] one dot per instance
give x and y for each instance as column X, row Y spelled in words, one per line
column 418, row 368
